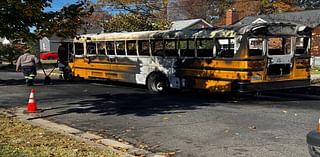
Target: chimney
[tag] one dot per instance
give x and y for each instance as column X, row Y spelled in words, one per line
column 231, row 16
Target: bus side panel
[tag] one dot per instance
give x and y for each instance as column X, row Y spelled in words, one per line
column 125, row 69
column 119, row 69
column 301, row 68
column 213, row 75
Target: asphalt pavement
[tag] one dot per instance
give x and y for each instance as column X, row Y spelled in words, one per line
column 183, row 124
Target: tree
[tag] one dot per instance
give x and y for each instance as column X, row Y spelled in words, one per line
column 132, row 22
column 277, row 6
column 205, row 9
column 308, row 4
column 9, row 53
column 137, row 15
column 96, row 21
column 65, row 23
column 18, row 17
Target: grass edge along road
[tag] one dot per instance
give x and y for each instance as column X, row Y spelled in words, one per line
column 21, row 139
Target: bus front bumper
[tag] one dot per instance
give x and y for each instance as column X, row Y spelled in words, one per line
column 265, row 86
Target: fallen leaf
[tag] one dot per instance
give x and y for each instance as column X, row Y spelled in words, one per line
column 142, row 146
column 252, row 127
column 165, row 118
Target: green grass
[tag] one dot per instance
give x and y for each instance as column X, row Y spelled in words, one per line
column 23, row 140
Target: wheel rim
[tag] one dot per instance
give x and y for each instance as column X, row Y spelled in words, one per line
column 158, row 86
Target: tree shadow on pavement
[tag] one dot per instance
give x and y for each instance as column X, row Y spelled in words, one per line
column 148, row 104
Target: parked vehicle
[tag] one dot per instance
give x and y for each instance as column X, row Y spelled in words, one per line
column 51, row 55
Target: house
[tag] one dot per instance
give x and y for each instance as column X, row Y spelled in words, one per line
column 189, row 24
column 51, row 43
column 310, row 18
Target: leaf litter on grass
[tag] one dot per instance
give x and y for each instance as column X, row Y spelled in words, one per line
column 21, row 139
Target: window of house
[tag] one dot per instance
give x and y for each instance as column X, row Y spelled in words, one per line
column 255, row 46
column 143, row 48
column 131, row 48
column 279, row 46
column 79, row 49
column 204, row 47
column 120, row 48
column 187, row 48
column 225, row 47
column 110, row 48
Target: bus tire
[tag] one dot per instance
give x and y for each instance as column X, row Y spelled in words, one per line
column 158, row 83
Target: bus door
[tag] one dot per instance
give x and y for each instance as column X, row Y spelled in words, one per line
column 280, row 56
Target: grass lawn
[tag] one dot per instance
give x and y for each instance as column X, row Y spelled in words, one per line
column 23, row 140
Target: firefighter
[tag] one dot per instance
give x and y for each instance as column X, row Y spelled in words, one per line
column 27, row 64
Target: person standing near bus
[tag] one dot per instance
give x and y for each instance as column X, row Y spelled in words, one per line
column 27, row 64
column 63, row 60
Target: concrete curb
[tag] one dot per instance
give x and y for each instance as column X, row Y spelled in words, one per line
column 98, row 141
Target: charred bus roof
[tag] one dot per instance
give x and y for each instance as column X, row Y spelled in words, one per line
column 266, row 29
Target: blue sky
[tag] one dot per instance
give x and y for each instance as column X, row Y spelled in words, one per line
column 58, row 4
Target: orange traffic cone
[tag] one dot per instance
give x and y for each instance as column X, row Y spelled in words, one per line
column 32, row 105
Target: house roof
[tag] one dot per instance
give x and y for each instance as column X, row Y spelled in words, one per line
column 309, row 18
column 183, row 24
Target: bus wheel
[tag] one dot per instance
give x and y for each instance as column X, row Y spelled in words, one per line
column 158, row 83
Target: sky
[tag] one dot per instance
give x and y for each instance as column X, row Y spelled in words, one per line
column 58, row 4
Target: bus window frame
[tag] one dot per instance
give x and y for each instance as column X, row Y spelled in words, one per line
column 104, row 48
column 74, row 49
column 95, row 48
column 136, row 48
column 114, row 49
column 124, row 48
column 307, row 49
column 218, row 55
column 264, row 45
column 161, row 51
column 292, row 46
column 188, row 48
column 149, row 48
column 168, row 51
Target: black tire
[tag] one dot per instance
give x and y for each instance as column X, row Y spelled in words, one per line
column 313, row 141
column 158, row 83
column 313, row 151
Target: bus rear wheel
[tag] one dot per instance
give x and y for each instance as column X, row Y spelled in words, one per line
column 158, row 83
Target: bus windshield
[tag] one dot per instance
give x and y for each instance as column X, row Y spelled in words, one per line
column 279, row 46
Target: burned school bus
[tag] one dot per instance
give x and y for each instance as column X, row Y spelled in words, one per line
column 245, row 58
